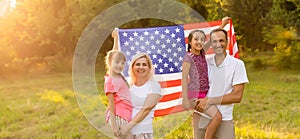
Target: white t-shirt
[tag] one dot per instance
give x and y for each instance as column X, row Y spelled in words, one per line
column 138, row 96
column 222, row 78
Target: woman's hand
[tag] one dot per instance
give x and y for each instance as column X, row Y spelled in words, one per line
column 114, row 34
column 124, row 131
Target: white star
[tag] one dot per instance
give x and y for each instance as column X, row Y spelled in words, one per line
column 174, row 54
column 146, row 33
column 128, row 62
column 167, row 31
column 173, row 44
column 126, row 43
column 178, row 39
column 160, row 60
column 147, row 42
column 168, row 40
column 158, row 51
column 163, row 46
column 143, row 47
column 148, row 52
column 156, row 32
column 135, row 34
column 161, row 70
column 141, row 38
column 169, row 50
column 127, row 53
column 124, row 34
column 153, row 46
column 132, row 48
column 154, row 56
column 157, row 41
column 164, row 55
column 166, row 65
column 155, row 65
column 137, row 52
column 137, row 43
column 176, row 64
column 162, row 36
column 179, row 49
column 152, row 37
column 180, row 58
column 130, row 38
column 173, row 35
column 171, row 69
column 170, row 59
column 177, row 30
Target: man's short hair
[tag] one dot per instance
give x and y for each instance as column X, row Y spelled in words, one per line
column 219, row 30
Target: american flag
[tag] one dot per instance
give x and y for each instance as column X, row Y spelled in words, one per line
column 167, row 46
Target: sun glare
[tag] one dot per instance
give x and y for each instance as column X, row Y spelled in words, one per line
column 6, row 5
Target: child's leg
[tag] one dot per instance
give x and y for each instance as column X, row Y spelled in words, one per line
column 216, row 116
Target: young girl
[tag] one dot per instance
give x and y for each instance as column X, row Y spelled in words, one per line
column 194, row 67
column 116, row 89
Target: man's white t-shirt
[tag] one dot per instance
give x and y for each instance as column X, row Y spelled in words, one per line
column 138, row 97
column 222, row 78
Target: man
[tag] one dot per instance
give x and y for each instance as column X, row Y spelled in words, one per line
column 227, row 78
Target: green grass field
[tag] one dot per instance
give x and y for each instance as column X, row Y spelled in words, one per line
column 45, row 107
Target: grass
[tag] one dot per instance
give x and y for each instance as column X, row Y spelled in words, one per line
column 46, row 107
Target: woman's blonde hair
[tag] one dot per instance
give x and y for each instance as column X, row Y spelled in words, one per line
column 134, row 59
column 113, row 54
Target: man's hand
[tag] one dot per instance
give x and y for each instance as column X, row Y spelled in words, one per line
column 124, row 131
column 201, row 104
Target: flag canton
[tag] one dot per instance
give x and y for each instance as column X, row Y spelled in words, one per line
column 165, row 46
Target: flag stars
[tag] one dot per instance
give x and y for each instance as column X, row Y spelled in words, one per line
column 160, row 60
column 126, row 43
column 124, row 34
column 176, row 64
column 153, row 46
column 130, row 38
column 152, row 37
column 156, row 32
column 169, row 50
column 179, row 49
column 168, row 40
column 162, row 36
column 170, row 59
column 173, row 44
column 132, row 48
column 164, row 55
column 143, row 47
column 158, row 51
column 137, row 43
column 155, row 66
column 173, row 35
column 148, row 52
column 161, row 70
column 157, row 41
column 177, row 30
column 180, row 58
column 141, row 38
column 166, row 65
column 135, row 34
column 163, row 46
column 167, row 31
column 178, row 39
column 175, row 54
column 127, row 53
column 147, row 42
column 154, row 56
column 171, row 69
column 146, row 33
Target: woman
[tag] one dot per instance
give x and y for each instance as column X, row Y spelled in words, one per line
column 145, row 94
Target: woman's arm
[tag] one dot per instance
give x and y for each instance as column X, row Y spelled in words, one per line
column 184, row 82
column 150, row 102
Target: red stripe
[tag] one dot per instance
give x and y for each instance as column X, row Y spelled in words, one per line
column 170, row 97
column 202, row 25
column 170, row 83
column 171, row 110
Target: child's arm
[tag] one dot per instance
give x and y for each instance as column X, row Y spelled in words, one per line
column 115, row 35
column 184, row 82
column 112, row 119
column 225, row 21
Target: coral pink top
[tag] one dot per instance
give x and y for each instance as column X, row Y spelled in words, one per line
column 120, row 88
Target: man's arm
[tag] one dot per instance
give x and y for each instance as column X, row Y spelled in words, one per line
column 233, row 97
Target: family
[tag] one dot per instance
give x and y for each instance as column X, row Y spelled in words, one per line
column 210, row 87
